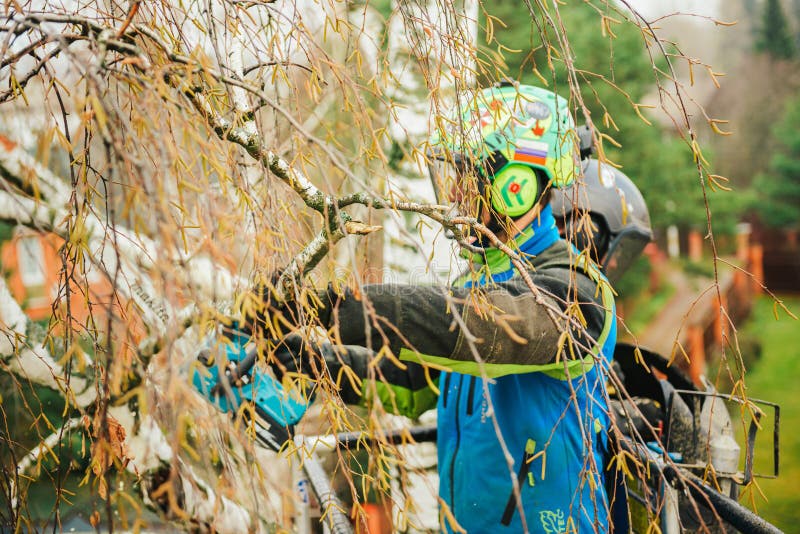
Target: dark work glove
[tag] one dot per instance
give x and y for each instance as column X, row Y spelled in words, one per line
column 296, row 355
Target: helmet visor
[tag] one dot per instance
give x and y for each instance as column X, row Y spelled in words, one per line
column 624, row 249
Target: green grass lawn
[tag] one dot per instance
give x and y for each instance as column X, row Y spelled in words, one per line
column 774, row 377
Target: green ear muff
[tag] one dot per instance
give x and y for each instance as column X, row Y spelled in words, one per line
column 515, row 189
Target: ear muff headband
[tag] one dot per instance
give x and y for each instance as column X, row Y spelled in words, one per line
column 515, row 189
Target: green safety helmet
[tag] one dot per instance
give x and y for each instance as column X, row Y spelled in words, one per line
column 518, row 138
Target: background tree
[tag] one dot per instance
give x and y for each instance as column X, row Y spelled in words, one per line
column 794, row 15
column 758, row 83
column 778, row 187
column 774, row 33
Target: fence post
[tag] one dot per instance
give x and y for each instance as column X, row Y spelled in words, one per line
column 743, row 231
column 673, row 242
column 695, row 246
column 757, row 266
column 697, row 353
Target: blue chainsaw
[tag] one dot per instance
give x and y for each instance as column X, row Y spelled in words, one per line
column 229, row 378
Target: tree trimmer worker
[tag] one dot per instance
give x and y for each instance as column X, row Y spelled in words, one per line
column 520, row 370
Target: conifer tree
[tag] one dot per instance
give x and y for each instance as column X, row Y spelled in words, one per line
column 779, row 187
column 775, row 38
column 795, row 15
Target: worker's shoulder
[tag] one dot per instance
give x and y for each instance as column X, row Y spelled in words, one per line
column 559, row 255
column 563, row 271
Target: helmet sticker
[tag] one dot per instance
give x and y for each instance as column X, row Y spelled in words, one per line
column 484, row 117
column 539, row 114
column 528, row 151
column 538, row 110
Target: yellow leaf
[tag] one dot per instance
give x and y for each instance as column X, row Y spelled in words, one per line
column 99, row 112
column 636, row 108
column 714, row 123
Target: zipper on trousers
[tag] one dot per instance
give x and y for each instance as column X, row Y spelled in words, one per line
column 522, row 474
column 471, row 394
column 445, row 387
column 455, row 449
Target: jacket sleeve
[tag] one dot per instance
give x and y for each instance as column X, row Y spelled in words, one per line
column 509, row 328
